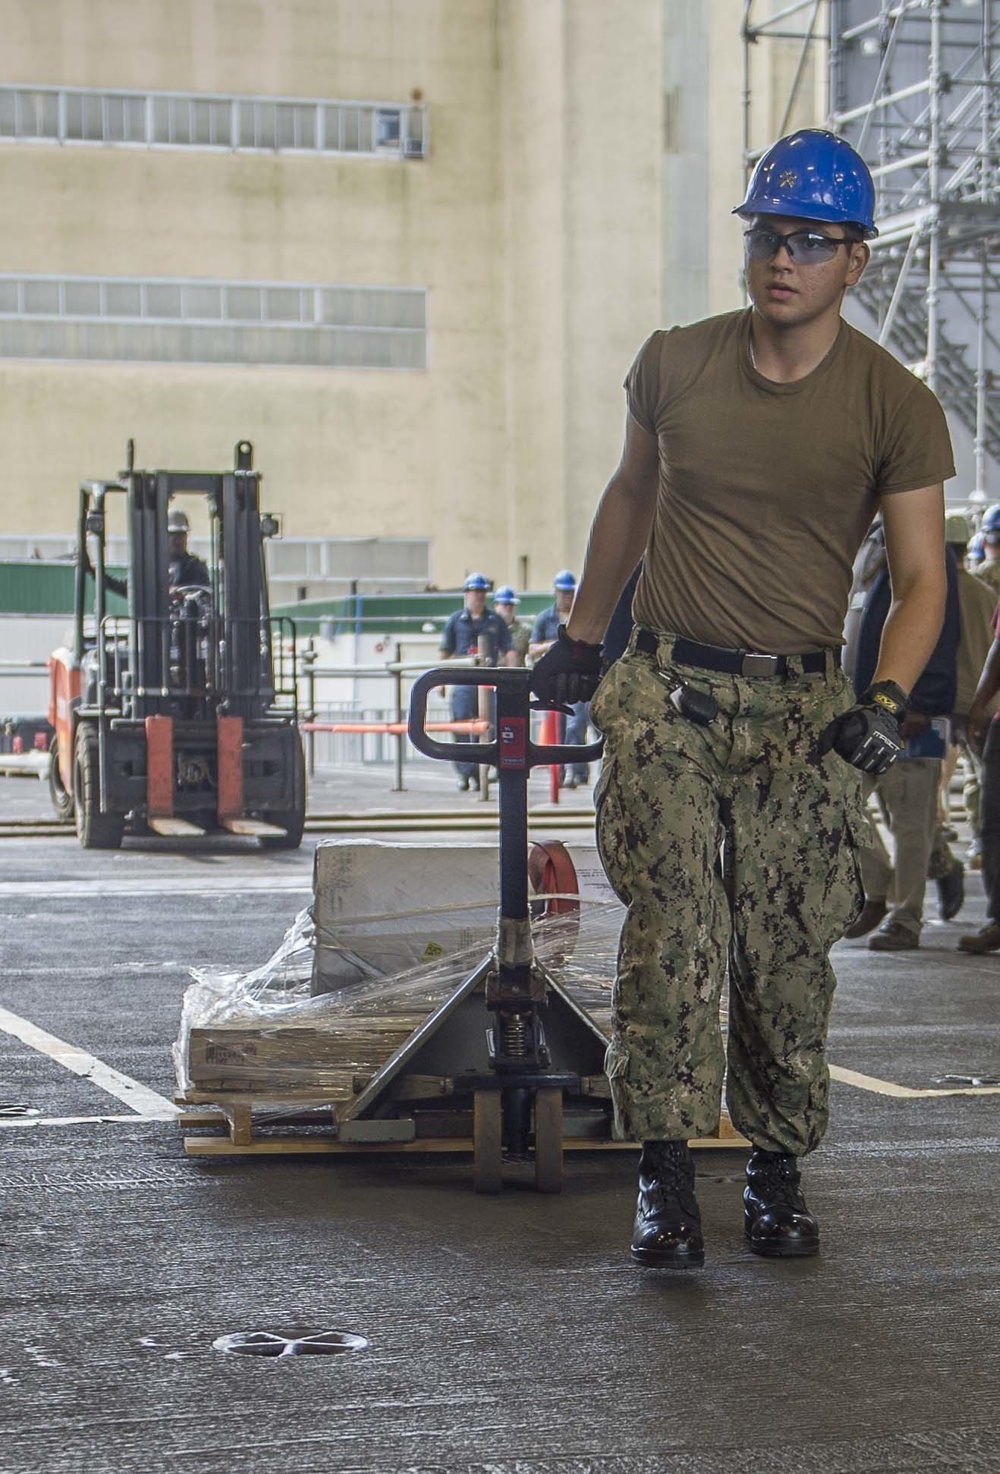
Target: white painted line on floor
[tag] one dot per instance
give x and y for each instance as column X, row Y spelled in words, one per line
column 188, row 886
column 145, row 1102
column 904, row 1092
column 132, row 1120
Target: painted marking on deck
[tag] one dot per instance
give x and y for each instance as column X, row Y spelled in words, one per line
column 146, row 1103
column 905, row 1092
column 187, row 885
column 130, row 1120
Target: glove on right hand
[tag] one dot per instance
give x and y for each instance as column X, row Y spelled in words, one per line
column 569, row 671
column 867, row 735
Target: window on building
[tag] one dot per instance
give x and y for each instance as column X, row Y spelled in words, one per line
column 388, row 129
column 197, row 120
column 106, row 319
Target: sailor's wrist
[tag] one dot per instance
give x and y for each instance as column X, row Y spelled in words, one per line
column 579, row 634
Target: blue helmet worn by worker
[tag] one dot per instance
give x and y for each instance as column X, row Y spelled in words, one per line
column 475, row 581
column 505, row 595
column 990, row 525
column 976, row 552
column 565, row 581
column 813, row 175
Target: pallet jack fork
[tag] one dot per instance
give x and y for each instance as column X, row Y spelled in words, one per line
column 541, row 1049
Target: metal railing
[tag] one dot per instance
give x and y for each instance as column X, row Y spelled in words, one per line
column 338, row 733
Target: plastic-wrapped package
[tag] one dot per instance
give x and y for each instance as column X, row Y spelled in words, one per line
column 267, row 1033
column 384, row 908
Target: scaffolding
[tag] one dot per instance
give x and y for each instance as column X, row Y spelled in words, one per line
column 913, row 85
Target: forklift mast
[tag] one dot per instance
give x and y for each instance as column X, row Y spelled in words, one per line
column 238, row 588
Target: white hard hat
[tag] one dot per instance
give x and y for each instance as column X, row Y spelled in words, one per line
column 177, row 521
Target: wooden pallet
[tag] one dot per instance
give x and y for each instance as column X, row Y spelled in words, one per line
column 251, row 1129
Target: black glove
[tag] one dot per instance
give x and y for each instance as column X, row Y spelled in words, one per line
column 570, row 670
column 868, row 734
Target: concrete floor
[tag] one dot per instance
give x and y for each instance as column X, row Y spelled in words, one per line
column 507, row 1335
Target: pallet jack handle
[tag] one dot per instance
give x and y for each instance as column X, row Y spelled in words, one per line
column 513, row 754
column 521, row 1084
column 512, row 685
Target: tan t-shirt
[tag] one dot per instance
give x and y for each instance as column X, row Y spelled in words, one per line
column 766, row 490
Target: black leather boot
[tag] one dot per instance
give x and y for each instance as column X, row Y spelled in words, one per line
column 776, row 1219
column 667, row 1222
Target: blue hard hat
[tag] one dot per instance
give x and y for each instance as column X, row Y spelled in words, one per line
column 565, row 580
column 975, row 552
column 990, row 525
column 476, row 581
column 505, row 595
column 813, row 175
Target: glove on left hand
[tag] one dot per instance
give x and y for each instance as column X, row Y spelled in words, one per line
column 867, row 735
column 570, row 670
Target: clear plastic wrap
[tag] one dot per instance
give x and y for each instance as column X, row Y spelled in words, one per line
column 268, row 1034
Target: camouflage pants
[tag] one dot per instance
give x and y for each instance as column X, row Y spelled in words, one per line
column 670, row 792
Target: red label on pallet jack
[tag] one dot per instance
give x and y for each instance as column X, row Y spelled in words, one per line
column 512, row 739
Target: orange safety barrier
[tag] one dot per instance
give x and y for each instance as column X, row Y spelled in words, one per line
column 395, row 729
column 549, row 737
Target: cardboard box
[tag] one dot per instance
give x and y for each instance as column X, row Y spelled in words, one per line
column 382, row 908
column 276, row 1059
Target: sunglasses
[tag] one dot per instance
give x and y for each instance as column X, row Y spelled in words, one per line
column 806, row 247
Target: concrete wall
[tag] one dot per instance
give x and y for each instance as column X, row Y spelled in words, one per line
column 583, row 243
column 538, row 223
column 702, row 169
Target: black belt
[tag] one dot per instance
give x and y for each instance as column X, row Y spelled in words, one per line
column 735, row 662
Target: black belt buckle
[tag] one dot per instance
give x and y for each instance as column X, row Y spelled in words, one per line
column 755, row 664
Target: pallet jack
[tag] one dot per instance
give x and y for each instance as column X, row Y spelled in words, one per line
column 510, row 1037
column 509, row 1059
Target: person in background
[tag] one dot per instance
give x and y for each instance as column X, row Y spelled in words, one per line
column 976, row 553
column 474, row 631
column 184, row 569
column 908, row 790
column 989, row 532
column 983, row 735
column 573, row 729
column 505, row 602
column 978, row 605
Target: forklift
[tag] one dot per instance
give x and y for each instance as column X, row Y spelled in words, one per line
column 179, row 716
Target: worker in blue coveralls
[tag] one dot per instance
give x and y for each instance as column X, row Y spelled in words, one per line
column 543, row 636
column 759, row 446
column 475, row 631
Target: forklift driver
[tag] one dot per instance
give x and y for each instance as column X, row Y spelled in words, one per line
column 184, row 569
